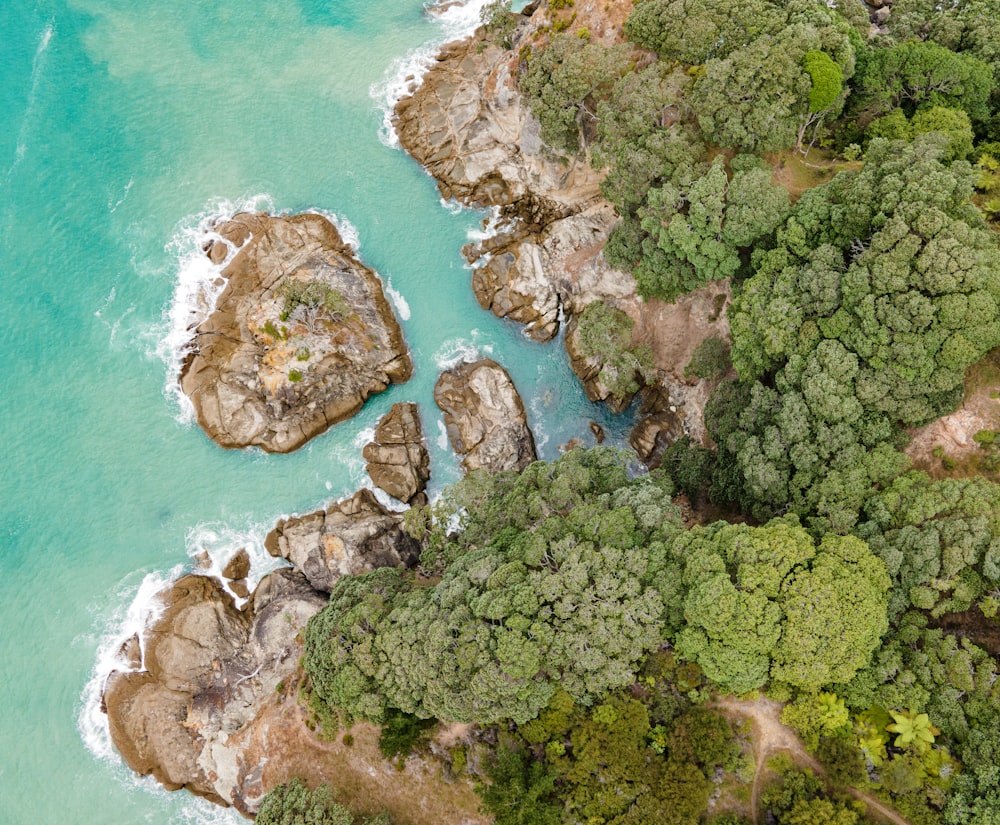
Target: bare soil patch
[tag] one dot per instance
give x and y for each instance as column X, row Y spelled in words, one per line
column 946, row 448
column 418, row 793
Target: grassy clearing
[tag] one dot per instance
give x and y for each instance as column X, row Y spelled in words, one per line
column 797, row 172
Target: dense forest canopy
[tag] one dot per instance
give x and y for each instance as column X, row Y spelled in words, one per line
column 568, row 611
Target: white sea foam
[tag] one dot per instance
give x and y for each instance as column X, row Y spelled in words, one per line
column 137, row 607
column 453, row 206
column 348, row 231
column 442, row 439
column 398, row 301
column 541, row 410
column 217, row 543
column 364, row 436
column 406, row 73
column 458, row 350
column 492, row 225
column 199, row 284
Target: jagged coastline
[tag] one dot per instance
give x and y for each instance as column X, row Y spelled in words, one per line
column 468, row 125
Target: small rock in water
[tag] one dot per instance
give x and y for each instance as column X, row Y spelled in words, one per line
column 238, row 566
column 598, row 431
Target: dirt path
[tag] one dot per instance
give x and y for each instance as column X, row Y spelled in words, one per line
column 770, row 736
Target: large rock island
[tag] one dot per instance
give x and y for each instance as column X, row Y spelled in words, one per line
column 301, row 335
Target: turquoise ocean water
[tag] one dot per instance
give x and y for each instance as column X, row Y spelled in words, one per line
column 124, row 127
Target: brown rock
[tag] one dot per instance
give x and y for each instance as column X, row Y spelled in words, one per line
column 484, row 417
column 238, row 567
column 598, row 431
column 131, row 652
column 262, row 372
column 398, row 461
column 239, row 588
column 660, row 426
column 347, row 538
column 210, row 671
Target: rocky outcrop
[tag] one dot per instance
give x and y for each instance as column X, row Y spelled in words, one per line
column 658, row 428
column 347, row 538
column 484, row 417
column 301, row 335
column 588, row 370
column 398, row 461
column 468, row 125
column 206, row 672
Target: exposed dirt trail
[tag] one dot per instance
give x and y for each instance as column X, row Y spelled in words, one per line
column 770, row 736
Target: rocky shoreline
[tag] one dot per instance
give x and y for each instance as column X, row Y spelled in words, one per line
column 208, row 700
column 468, row 125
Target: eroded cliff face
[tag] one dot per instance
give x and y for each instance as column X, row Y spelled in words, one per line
column 469, row 126
column 301, row 335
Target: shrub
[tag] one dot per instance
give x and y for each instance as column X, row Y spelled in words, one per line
column 710, row 360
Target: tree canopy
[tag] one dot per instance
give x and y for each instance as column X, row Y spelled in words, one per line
column 556, row 594
column 751, row 604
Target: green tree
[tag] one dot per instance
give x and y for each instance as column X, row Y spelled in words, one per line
column 292, row 803
column 953, row 123
column 543, row 587
column 563, row 83
column 915, row 74
column 604, row 335
column 693, row 31
column 882, row 288
column 499, row 21
column 710, row 359
column 940, row 540
column 520, row 790
column 752, row 603
column 912, row 729
column 693, row 235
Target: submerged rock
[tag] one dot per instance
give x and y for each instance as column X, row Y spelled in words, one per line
column 347, row 538
column 484, row 417
column 301, row 335
column 398, row 461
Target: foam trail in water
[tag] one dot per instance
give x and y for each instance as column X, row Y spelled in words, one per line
column 37, row 65
column 406, row 73
column 112, row 207
column 458, row 350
